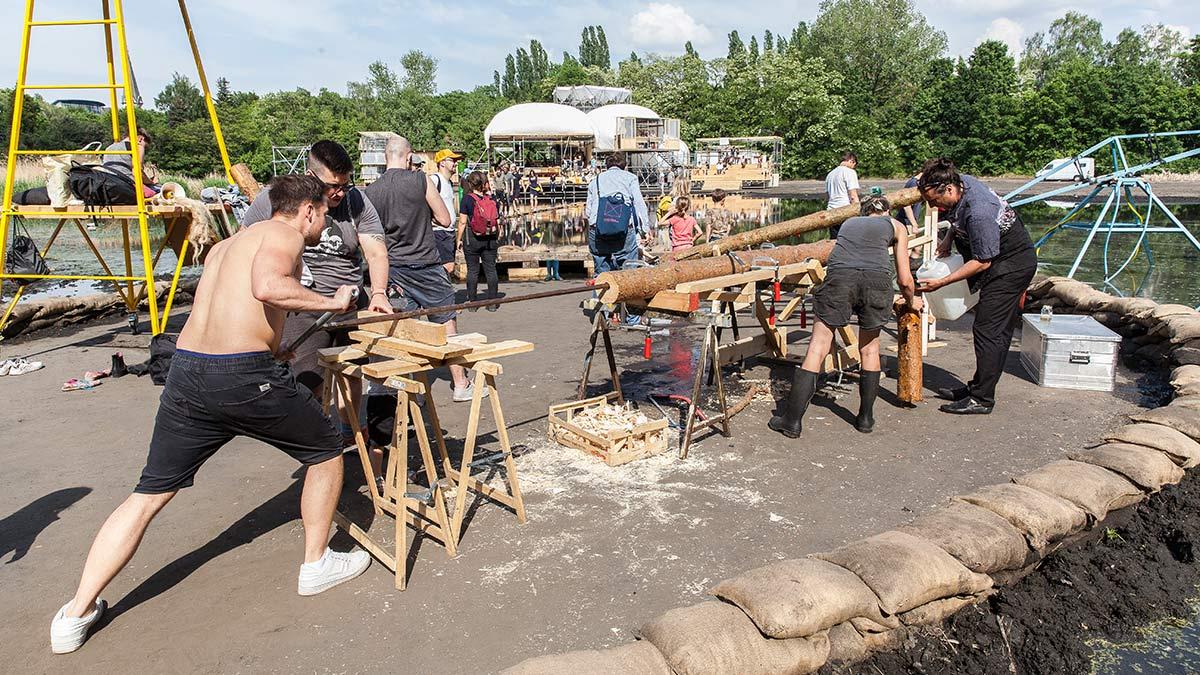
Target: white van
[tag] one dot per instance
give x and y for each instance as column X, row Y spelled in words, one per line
column 1084, row 169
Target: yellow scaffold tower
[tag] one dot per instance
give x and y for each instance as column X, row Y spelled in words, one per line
column 113, row 20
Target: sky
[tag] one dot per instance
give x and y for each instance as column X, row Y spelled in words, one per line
column 272, row 45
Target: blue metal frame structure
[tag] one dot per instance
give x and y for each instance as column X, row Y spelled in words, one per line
column 1124, row 187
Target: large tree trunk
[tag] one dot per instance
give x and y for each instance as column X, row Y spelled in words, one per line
column 645, row 282
column 790, row 228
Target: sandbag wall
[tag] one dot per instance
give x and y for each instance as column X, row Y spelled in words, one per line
column 793, row 616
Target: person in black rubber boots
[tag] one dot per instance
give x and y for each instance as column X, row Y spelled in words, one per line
column 1000, row 263
column 858, row 281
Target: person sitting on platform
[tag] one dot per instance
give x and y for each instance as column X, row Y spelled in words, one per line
column 858, row 281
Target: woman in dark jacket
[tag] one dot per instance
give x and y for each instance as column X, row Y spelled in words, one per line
column 1000, row 263
column 858, row 281
column 478, row 250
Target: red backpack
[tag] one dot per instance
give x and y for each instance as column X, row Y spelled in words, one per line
column 485, row 218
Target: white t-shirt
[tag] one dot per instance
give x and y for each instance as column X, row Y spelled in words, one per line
column 838, row 184
column 446, row 190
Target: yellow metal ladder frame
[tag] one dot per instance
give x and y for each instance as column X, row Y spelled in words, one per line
column 113, row 15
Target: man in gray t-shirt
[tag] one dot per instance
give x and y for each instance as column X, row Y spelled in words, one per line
column 353, row 233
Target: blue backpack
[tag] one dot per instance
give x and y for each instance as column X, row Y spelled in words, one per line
column 614, row 214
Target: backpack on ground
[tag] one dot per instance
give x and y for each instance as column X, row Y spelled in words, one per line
column 23, row 256
column 485, row 218
column 614, row 214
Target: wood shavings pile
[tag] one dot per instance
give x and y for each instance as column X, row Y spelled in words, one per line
column 607, row 417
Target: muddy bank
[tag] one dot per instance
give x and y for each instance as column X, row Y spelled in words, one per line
column 1135, row 568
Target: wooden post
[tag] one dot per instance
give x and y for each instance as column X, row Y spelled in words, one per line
column 908, row 354
column 245, row 181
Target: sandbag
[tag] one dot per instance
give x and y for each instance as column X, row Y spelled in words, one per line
column 794, row 598
column 1108, row 319
column 1184, row 376
column 977, row 538
column 717, row 638
column 1149, row 469
column 1129, row 306
column 1185, row 356
column 1179, row 418
column 1180, row 329
column 1041, row 286
column 1044, row 519
column 1190, row 401
column 1167, row 310
column 1176, row 445
column 846, row 645
column 638, row 658
column 936, row 611
column 1079, row 295
column 905, row 571
column 1094, row 489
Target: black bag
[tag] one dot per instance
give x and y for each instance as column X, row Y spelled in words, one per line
column 162, row 348
column 23, row 256
column 99, row 187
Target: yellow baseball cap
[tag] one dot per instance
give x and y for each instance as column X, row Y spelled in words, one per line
column 445, row 154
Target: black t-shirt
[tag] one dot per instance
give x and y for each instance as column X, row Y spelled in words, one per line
column 399, row 197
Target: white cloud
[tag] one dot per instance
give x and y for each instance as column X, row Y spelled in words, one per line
column 666, row 25
column 1007, row 31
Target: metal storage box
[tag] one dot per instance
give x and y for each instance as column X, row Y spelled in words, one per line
column 1069, row 352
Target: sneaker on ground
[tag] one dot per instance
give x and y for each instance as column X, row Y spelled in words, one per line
column 332, row 569
column 67, row 633
column 467, row 393
column 22, row 366
column 5, row 366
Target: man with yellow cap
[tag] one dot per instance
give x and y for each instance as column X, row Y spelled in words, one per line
column 444, row 163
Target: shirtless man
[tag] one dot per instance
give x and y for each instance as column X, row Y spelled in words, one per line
column 224, row 382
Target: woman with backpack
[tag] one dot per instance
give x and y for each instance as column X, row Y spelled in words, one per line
column 478, row 235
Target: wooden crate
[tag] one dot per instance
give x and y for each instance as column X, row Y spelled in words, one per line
column 614, row 447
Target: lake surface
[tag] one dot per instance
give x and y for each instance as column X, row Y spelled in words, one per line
column 1170, row 277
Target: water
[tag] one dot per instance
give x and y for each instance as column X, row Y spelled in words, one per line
column 1171, row 277
column 1170, row 647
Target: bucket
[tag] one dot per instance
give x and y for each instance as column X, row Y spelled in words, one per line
column 952, row 301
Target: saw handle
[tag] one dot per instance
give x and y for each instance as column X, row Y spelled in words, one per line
column 316, row 326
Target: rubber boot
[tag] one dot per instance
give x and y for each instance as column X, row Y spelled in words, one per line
column 118, row 366
column 868, row 389
column 804, row 383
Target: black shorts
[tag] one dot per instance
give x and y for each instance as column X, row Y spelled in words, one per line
column 210, row 399
column 867, row 294
column 423, row 288
column 445, row 245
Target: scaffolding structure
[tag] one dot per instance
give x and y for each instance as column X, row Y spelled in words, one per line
column 289, row 159
column 117, row 56
column 1122, row 190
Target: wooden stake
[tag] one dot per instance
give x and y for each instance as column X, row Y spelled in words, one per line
column 908, row 354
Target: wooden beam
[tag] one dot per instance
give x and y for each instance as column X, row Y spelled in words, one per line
column 439, row 352
column 417, row 330
column 339, row 354
column 908, row 354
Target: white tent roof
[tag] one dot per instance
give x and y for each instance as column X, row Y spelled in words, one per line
column 539, row 121
column 586, row 96
column 604, row 119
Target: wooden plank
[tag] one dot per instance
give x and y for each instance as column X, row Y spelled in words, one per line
column 425, row 332
column 738, row 297
column 439, row 352
column 468, row 338
column 364, row 540
column 726, row 281
column 340, row 354
column 385, row 369
column 526, row 274
column 747, row 347
column 670, row 301
column 493, row 350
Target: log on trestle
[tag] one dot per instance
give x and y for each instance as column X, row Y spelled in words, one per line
column 641, row 283
column 791, row 228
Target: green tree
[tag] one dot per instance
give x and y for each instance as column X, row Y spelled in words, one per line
column 753, row 49
column 1073, row 36
column 508, row 86
column 223, row 91
column 768, row 42
column 1189, row 63
column 180, row 100
column 420, row 72
column 737, row 49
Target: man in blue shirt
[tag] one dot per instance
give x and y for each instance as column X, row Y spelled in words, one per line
column 611, row 253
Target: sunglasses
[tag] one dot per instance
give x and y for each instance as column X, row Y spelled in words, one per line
column 333, row 187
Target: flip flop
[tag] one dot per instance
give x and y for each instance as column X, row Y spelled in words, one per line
column 93, row 375
column 75, row 384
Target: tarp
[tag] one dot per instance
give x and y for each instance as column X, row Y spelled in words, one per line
column 588, row 96
column 539, row 121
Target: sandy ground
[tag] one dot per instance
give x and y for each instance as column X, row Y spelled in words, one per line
column 1170, row 191
column 605, row 549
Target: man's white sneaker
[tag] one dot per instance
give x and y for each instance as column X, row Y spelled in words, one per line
column 467, row 393
column 21, row 366
column 67, row 633
column 332, row 569
column 5, row 366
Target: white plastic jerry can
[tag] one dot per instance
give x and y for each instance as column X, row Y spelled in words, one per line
column 948, row 302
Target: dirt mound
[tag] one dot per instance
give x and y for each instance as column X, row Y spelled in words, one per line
column 1135, row 568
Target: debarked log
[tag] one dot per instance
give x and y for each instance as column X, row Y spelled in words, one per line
column 908, row 354
column 791, row 228
column 641, row 283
